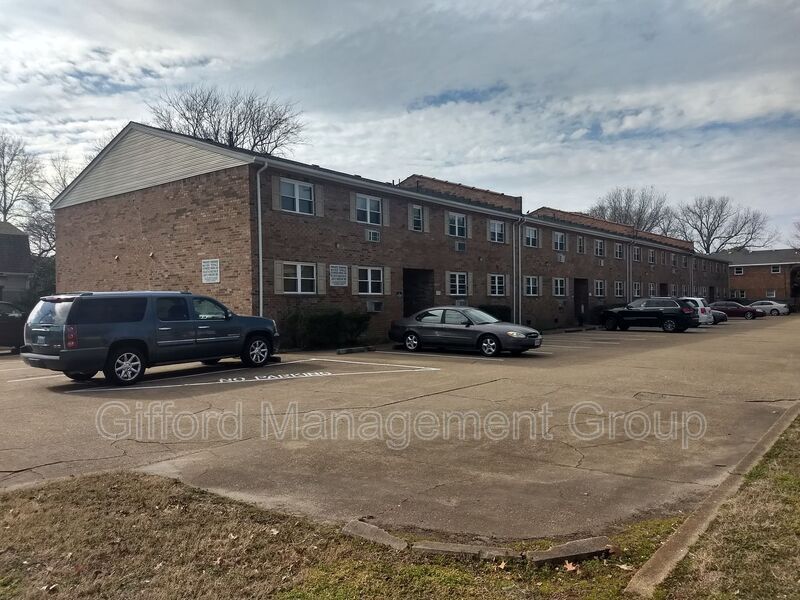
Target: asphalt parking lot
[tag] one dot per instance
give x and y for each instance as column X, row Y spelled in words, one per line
column 419, row 440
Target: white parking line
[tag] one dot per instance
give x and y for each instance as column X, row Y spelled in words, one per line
column 32, row 378
column 550, row 345
column 442, row 355
column 15, row 369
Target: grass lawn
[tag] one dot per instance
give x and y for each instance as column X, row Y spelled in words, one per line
column 126, row 535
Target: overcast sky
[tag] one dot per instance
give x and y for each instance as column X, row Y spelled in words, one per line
column 554, row 100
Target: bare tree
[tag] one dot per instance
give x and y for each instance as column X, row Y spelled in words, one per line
column 39, row 220
column 718, row 223
column 20, row 174
column 643, row 208
column 244, row 119
column 795, row 240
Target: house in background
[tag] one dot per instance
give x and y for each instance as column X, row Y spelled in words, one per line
column 16, row 264
column 764, row 275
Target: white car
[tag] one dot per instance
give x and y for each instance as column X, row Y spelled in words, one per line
column 771, row 307
column 702, row 309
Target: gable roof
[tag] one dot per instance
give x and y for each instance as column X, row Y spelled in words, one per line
column 760, row 257
column 431, row 184
column 15, row 252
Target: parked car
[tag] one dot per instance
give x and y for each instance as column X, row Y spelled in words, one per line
column 123, row 333
column 771, row 307
column 702, row 309
column 463, row 327
column 670, row 314
column 734, row 309
column 719, row 316
column 12, row 324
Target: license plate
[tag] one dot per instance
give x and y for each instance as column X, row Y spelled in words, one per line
column 41, row 340
column 537, row 343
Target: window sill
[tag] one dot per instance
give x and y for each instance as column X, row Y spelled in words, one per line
column 297, row 212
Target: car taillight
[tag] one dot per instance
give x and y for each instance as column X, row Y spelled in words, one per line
column 688, row 311
column 702, row 311
column 71, row 336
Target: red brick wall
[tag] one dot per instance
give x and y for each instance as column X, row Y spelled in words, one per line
column 757, row 279
column 181, row 223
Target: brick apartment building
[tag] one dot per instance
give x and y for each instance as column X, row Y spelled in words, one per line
column 158, row 210
column 764, row 275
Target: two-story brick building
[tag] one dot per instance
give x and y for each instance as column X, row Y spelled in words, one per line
column 764, row 275
column 159, row 210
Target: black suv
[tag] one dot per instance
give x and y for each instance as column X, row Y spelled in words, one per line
column 670, row 314
column 122, row 333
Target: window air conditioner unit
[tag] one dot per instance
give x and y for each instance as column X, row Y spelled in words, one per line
column 374, row 306
column 562, row 258
column 373, row 236
column 461, row 246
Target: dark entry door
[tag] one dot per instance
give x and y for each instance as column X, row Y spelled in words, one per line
column 418, row 290
column 581, row 289
column 663, row 289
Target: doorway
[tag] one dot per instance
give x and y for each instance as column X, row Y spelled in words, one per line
column 663, row 289
column 418, row 290
column 581, row 289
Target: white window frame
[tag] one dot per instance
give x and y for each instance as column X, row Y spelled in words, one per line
column 497, row 231
column 532, row 237
column 637, row 254
column 771, row 294
column 452, row 224
column 684, row 261
column 296, row 185
column 563, row 285
column 414, row 209
column 454, row 283
column 673, row 259
column 580, row 245
column 651, row 256
column 299, row 279
column 497, row 284
column 559, row 241
column 368, row 200
column 663, row 257
column 530, row 282
column 373, row 235
column 599, row 248
column 738, row 270
column 637, row 289
column 673, row 289
column 651, row 289
column 370, row 280
column 600, row 288
column 773, row 271
column 619, row 289
column 619, row 251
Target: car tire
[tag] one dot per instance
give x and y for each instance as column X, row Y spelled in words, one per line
column 125, row 366
column 210, row 362
column 669, row 325
column 624, row 327
column 774, row 312
column 489, row 345
column 15, row 350
column 256, row 351
column 610, row 324
column 411, row 341
column 81, row 376
column 749, row 315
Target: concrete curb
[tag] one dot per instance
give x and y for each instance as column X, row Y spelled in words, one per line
column 661, row 564
column 355, row 349
column 360, row 529
column 574, row 551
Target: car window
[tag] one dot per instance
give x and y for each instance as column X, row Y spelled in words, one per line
column 692, row 301
column 50, row 312
column 479, row 317
column 454, row 317
column 172, row 309
column 206, row 309
column 86, row 311
column 430, row 316
column 9, row 310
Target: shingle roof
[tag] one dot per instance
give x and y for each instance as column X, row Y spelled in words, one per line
column 760, row 257
column 15, row 252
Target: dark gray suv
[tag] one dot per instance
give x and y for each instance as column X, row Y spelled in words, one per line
column 123, row 333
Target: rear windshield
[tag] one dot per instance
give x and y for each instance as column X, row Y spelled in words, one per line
column 49, row 312
column 95, row 311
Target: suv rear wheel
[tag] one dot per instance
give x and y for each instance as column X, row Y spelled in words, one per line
column 669, row 325
column 256, row 351
column 610, row 324
column 125, row 366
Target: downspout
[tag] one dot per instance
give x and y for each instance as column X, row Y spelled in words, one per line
column 519, row 238
column 514, row 272
column 260, row 239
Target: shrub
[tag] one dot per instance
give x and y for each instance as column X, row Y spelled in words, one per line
column 324, row 329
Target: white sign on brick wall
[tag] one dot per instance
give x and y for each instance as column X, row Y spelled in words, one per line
column 209, row 269
column 338, row 276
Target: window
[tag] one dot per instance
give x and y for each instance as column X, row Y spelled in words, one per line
column 560, row 241
column 619, row 289
column 497, row 285
column 86, row 311
column 599, row 248
column 369, row 210
column 663, row 257
column 417, row 221
column 637, row 253
column 705, row 264
column 454, row 317
column 775, row 269
column 599, row 288
column 651, row 256
column 172, row 309
column 684, row 261
column 581, row 246
column 771, row 293
column 497, row 232
column 684, row 290
column 673, row 258
column 738, row 270
column 532, row 237
column 373, row 235
column 531, row 285
column 431, row 316
column 456, row 225
column 673, row 289
column 299, row 278
column 637, row 289
column 651, row 289
column 457, row 284
column 619, row 250
column 297, row 196
column 205, row 309
column 370, row 280
column 559, row 286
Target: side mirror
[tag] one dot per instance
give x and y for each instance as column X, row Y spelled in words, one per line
column 629, row 306
column 466, row 322
column 228, row 315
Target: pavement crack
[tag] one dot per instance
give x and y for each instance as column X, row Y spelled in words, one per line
column 767, row 401
column 13, row 472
